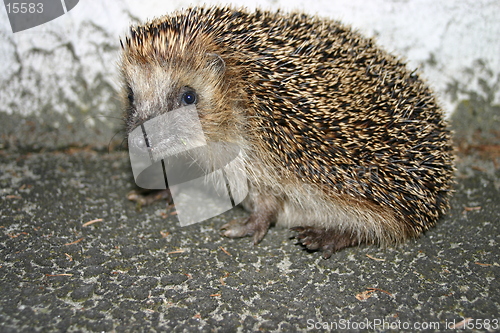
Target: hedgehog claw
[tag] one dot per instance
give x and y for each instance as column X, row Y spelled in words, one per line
column 237, row 228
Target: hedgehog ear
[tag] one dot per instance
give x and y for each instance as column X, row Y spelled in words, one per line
column 216, row 62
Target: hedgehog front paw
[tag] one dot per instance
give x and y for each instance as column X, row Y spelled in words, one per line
column 253, row 226
column 326, row 241
column 145, row 197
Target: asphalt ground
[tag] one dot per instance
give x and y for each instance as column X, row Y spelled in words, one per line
column 76, row 255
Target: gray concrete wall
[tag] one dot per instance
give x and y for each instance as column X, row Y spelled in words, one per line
column 59, row 81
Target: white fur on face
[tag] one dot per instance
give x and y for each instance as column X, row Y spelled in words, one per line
column 152, row 87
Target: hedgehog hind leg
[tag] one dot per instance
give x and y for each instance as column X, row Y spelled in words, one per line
column 324, row 240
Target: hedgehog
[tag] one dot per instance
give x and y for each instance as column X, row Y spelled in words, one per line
column 341, row 142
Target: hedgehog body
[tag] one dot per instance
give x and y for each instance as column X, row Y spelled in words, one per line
column 340, row 141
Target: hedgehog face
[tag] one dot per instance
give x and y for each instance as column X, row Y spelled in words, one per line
column 156, row 85
column 151, row 91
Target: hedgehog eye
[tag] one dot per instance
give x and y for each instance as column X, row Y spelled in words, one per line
column 130, row 95
column 189, row 97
